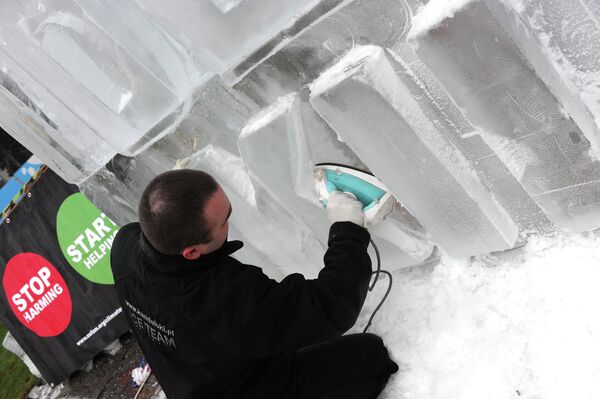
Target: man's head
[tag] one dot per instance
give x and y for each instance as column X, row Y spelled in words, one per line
column 184, row 212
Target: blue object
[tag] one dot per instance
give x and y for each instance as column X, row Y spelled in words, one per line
column 366, row 192
column 14, row 189
column 10, row 192
column 27, row 172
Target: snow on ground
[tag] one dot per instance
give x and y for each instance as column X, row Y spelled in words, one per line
column 521, row 324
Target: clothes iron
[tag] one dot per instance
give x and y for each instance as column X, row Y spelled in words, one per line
column 375, row 197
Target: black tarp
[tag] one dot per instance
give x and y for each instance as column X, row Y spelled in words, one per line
column 95, row 320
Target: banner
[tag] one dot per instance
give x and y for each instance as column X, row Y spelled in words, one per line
column 57, row 298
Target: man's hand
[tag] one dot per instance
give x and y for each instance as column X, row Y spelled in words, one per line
column 344, row 207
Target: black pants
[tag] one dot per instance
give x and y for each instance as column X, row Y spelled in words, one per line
column 354, row 366
column 349, row 367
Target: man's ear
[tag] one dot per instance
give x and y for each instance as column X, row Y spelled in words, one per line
column 193, row 251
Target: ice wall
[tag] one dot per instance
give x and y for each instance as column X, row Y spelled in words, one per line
column 101, row 76
column 514, row 111
column 561, row 39
column 365, row 101
column 481, row 116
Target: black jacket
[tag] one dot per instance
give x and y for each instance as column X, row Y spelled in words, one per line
column 205, row 326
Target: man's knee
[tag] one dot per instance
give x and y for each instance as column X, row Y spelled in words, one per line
column 377, row 367
column 373, row 343
column 356, row 364
column 375, row 354
column 371, row 339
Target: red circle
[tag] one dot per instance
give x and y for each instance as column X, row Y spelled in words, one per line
column 46, row 309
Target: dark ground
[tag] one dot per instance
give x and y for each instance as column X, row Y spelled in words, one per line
column 110, row 377
column 12, row 156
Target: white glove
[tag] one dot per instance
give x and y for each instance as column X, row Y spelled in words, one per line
column 344, row 207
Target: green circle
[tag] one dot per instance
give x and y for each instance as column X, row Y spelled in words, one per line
column 85, row 235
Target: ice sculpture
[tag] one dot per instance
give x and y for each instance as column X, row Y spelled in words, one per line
column 216, row 117
column 222, row 34
column 561, row 40
column 366, row 103
column 305, row 56
column 515, row 113
column 480, row 115
column 103, row 75
column 44, row 125
column 387, row 23
column 275, row 148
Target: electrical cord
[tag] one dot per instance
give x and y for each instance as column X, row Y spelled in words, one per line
column 377, row 273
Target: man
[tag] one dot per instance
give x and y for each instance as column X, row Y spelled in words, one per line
column 212, row 327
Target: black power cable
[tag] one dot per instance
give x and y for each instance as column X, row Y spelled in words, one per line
column 377, row 273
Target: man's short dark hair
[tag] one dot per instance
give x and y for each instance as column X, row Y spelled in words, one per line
column 171, row 210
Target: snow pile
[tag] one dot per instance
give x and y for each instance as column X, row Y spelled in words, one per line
column 522, row 324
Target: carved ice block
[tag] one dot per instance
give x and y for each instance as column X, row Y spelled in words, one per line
column 107, row 78
column 366, row 103
column 43, row 124
column 561, row 40
column 221, row 34
column 276, row 148
column 269, row 228
column 516, row 115
column 216, row 119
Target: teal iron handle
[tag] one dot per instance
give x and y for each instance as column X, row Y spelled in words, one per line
column 368, row 194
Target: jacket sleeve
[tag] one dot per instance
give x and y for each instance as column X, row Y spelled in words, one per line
column 118, row 254
column 285, row 316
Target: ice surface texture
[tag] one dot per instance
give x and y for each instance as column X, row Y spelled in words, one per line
column 561, row 40
column 515, row 113
column 480, row 116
